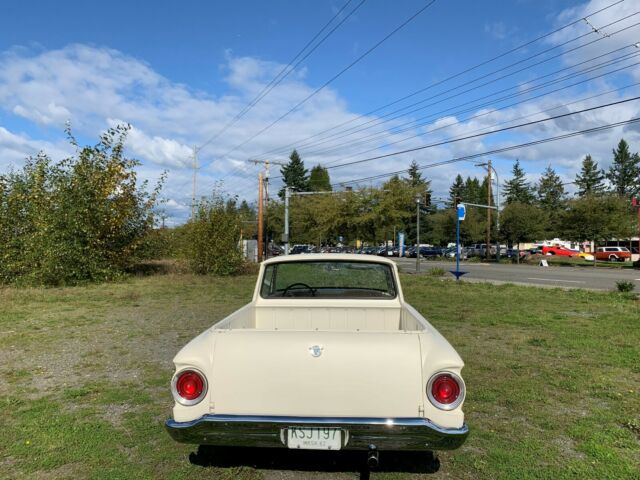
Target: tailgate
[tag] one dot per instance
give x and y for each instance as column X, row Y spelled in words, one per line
column 357, row 374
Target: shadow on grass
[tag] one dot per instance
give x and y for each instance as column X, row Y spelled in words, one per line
column 312, row 461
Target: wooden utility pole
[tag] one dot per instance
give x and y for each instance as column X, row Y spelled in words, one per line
column 260, row 217
column 263, row 193
column 488, row 249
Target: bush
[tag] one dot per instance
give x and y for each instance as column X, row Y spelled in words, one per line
column 625, row 286
column 76, row 220
column 210, row 242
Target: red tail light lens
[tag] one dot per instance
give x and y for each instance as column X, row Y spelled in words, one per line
column 445, row 390
column 189, row 386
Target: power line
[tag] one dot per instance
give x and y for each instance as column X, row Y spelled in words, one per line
column 388, row 117
column 481, row 134
column 335, row 77
column 468, row 137
column 286, row 70
column 498, row 150
column 440, row 82
column 625, row 57
column 328, row 165
column 419, row 122
column 496, row 110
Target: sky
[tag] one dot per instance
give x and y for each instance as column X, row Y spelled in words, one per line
column 179, row 73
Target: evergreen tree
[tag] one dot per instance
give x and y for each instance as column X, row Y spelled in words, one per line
column 550, row 190
column 421, row 186
column 456, row 190
column 590, row 180
column 319, row 179
column 518, row 189
column 551, row 198
column 294, row 175
column 624, row 173
column 483, row 193
column 473, row 191
column 415, row 177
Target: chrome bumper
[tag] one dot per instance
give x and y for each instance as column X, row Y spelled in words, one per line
column 358, row 433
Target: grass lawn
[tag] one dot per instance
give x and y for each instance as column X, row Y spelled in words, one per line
column 553, row 379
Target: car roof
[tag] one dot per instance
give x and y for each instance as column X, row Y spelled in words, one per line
column 323, row 257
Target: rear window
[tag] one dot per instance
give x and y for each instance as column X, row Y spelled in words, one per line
column 328, row 279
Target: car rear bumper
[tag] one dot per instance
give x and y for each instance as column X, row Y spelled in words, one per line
column 409, row 434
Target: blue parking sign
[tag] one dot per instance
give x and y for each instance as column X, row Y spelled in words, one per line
column 462, row 211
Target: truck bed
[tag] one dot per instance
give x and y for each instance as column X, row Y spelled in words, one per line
column 370, row 316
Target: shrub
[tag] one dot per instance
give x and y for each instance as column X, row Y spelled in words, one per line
column 210, row 241
column 625, row 286
column 79, row 219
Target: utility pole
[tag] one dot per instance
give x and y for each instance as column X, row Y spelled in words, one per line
column 193, row 190
column 263, row 187
column 488, row 250
column 417, row 233
column 491, row 168
column 260, row 214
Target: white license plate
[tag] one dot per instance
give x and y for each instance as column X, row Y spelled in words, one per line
column 314, row 438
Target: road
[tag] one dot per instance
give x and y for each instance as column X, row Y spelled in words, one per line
column 598, row 278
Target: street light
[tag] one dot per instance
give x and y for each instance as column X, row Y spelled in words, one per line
column 487, row 166
column 418, row 199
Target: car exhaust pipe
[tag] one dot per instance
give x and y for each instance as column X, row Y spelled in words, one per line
column 373, row 457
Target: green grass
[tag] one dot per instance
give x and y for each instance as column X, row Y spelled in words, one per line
column 553, row 378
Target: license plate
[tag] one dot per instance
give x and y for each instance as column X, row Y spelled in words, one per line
column 314, row 438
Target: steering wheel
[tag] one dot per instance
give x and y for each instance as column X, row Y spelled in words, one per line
column 286, row 290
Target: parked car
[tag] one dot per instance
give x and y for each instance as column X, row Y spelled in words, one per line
column 327, row 356
column 560, row 251
column 586, row 256
column 451, row 253
column 613, row 254
column 301, row 249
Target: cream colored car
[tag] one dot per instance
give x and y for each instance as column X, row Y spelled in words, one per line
column 327, row 356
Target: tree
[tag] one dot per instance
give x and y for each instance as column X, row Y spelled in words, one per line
column 319, row 179
column 590, row 180
column 550, row 190
column 415, row 177
column 473, row 191
column 624, row 173
column 551, row 198
column 521, row 222
column 456, row 190
column 517, row 189
column 84, row 218
column 597, row 218
column 294, row 175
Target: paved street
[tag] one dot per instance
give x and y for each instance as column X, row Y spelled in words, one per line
column 599, row 278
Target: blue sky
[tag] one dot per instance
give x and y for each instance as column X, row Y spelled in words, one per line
column 179, row 72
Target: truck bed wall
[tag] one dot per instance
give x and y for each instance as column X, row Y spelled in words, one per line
column 324, row 318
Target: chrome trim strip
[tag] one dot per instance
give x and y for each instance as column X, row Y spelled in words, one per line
column 266, row 431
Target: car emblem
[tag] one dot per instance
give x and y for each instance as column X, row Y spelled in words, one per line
column 315, row 350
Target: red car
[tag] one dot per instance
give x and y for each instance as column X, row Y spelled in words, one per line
column 565, row 252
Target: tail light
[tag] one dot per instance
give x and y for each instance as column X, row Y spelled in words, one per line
column 189, row 387
column 445, row 390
